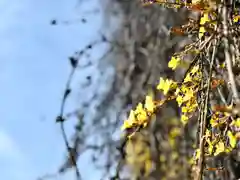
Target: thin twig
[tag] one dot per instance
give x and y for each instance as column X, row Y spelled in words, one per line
column 204, row 118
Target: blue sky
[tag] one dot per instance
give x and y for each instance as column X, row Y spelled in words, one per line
column 33, row 71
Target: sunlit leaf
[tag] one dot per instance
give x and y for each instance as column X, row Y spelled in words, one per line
column 174, row 62
column 232, row 139
column 149, row 104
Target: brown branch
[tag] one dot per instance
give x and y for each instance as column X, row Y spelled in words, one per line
column 228, row 57
column 204, row 117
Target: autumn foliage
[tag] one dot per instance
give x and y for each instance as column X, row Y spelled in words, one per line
column 209, row 89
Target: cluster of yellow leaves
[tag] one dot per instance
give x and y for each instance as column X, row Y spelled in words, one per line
column 236, row 123
column 204, row 19
column 234, row 138
column 166, row 84
column 206, row 7
column 218, row 119
column 208, row 19
column 217, row 144
column 236, row 18
column 139, row 117
column 185, row 95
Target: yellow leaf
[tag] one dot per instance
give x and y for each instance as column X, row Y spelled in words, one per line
column 179, row 100
column 210, row 147
column 174, row 62
column 232, row 139
column 164, row 85
column 139, row 109
column 223, row 65
column 130, row 121
column 219, row 148
column 189, row 94
column 184, row 109
column 184, row 119
column 194, row 71
column 141, row 115
column 236, row 123
column 149, row 104
column 202, row 30
column 204, row 19
column 236, row 18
